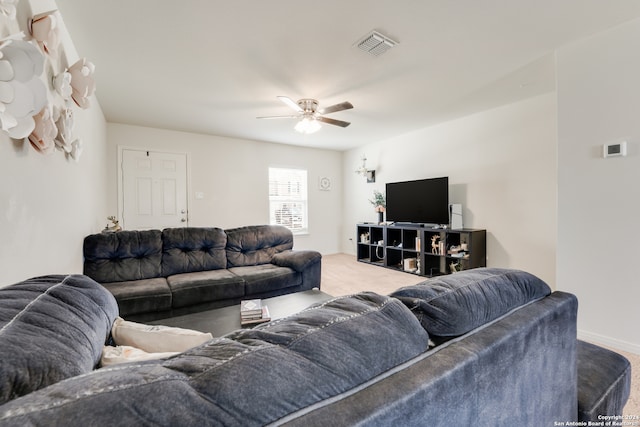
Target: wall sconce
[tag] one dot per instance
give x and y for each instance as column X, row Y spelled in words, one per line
column 363, row 171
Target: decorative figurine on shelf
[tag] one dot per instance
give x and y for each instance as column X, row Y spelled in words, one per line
column 379, row 205
column 435, row 246
column 114, row 227
column 454, row 267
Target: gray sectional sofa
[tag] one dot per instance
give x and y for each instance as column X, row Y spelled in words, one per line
column 156, row 274
column 507, row 355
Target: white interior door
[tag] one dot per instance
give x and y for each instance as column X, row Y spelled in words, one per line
column 154, row 189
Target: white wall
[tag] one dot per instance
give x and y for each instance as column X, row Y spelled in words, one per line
column 233, row 175
column 49, row 204
column 501, row 166
column 599, row 199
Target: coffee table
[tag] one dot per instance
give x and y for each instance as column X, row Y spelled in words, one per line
column 221, row 321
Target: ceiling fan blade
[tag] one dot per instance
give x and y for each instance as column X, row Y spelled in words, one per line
column 337, row 107
column 278, row 117
column 335, row 122
column 291, row 103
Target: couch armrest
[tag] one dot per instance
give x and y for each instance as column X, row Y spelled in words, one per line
column 297, row 260
column 52, row 328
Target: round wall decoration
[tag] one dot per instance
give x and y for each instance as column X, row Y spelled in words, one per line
column 324, row 183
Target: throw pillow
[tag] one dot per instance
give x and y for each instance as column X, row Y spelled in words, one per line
column 125, row 354
column 156, row 338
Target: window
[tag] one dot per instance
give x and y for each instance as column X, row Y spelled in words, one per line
column 288, row 198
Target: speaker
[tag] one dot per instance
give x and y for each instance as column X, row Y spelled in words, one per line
column 455, row 216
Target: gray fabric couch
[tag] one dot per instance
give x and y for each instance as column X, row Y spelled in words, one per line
column 364, row 359
column 157, row 274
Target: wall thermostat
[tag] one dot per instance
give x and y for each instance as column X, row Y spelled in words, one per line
column 613, row 150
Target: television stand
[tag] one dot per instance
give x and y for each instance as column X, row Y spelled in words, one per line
column 419, row 249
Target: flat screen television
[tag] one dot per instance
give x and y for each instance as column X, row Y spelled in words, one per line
column 424, row 201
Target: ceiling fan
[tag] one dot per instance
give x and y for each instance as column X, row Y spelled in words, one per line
column 309, row 115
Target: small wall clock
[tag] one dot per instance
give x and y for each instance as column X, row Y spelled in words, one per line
column 324, row 183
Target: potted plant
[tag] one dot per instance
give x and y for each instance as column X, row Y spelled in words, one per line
column 379, row 204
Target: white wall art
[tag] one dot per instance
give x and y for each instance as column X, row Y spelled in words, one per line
column 76, row 149
column 44, row 29
column 65, row 139
column 8, row 8
column 37, row 88
column 43, row 136
column 62, row 85
column 22, row 92
column 82, row 82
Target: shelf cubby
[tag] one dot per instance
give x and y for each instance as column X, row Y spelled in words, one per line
column 420, row 250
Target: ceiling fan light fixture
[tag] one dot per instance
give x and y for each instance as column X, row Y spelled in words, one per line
column 307, row 125
column 308, row 115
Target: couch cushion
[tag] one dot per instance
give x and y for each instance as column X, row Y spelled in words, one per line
column 186, row 250
column 452, row 305
column 604, row 382
column 256, row 244
column 51, row 328
column 203, row 286
column 267, row 277
column 123, row 256
column 249, row 378
column 141, row 296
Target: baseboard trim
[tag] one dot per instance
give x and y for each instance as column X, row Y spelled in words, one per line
column 608, row 341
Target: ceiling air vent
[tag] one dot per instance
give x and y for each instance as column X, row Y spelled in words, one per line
column 376, row 43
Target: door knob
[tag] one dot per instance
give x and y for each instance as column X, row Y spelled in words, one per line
column 183, row 220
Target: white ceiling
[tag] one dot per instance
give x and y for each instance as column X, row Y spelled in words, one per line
column 213, row 66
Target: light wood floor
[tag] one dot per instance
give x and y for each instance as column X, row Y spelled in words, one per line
column 343, row 275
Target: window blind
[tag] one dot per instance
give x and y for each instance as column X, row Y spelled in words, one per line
column 288, row 198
